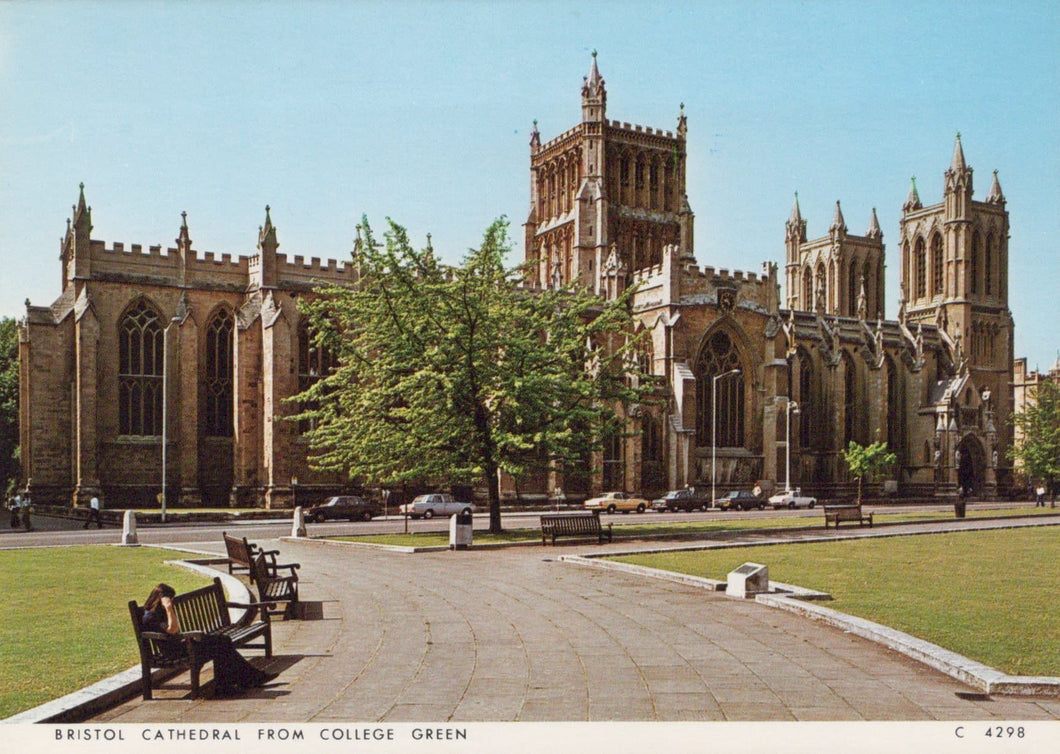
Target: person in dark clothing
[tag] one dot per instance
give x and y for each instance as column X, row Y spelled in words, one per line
column 94, row 514
column 231, row 671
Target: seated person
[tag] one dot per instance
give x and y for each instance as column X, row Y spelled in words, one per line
column 231, row 671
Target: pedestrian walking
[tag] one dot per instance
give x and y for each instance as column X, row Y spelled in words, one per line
column 93, row 513
column 1040, row 496
column 16, row 504
column 27, row 523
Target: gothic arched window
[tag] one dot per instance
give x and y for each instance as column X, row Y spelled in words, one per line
column 807, row 290
column 988, row 264
column 852, row 290
column 806, row 402
column 973, row 265
column 217, row 379
column 936, row 265
column 614, row 469
column 718, row 356
column 920, row 269
column 314, row 362
column 652, row 442
column 850, row 400
column 894, row 408
column 141, row 361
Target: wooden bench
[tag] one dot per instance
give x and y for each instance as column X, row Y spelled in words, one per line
column 833, row 514
column 274, row 589
column 241, row 554
column 573, row 525
column 199, row 612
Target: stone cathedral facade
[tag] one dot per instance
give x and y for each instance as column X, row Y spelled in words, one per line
column 205, row 349
column 608, row 207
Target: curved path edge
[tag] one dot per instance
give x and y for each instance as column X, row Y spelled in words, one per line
column 118, row 688
column 796, row 600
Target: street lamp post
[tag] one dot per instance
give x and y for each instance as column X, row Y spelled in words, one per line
column 792, row 408
column 165, row 407
column 714, row 430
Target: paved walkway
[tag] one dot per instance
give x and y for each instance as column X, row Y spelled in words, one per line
column 516, row 635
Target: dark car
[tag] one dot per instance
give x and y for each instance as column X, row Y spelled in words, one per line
column 349, row 507
column 740, row 499
column 681, row 500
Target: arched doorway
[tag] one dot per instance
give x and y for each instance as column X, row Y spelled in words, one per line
column 971, row 465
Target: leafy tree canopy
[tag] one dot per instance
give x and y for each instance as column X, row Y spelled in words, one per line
column 868, row 461
column 9, row 467
column 447, row 374
column 1037, row 450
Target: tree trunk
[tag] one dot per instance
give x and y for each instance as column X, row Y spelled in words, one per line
column 493, row 484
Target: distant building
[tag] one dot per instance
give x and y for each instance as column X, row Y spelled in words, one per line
column 213, row 346
column 1024, row 385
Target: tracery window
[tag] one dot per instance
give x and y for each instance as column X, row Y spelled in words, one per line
column 614, row 468
column 852, row 290
column 806, row 402
column 314, row 362
column 973, row 267
column 718, row 356
column 936, row 265
column 141, row 361
column 652, row 445
column 807, row 290
column 988, row 264
column 920, row 268
column 850, row 401
column 217, row 379
column 894, row 409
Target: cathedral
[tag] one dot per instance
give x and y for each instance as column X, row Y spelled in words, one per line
column 753, row 387
column 171, row 369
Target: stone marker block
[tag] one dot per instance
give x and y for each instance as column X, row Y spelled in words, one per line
column 748, row 580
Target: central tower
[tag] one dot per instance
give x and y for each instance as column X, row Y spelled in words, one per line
column 605, row 198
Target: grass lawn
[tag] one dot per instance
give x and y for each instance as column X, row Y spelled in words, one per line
column 642, row 526
column 66, row 616
column 988, row 595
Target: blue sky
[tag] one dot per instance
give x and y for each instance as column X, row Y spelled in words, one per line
column 422, row 112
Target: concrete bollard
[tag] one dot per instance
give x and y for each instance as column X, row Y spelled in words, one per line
column 128, row 532
column 298, row 523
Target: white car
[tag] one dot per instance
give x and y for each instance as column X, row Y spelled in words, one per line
column 435, row 504
column 792, row 499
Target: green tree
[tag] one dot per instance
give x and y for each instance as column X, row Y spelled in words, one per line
column 448, row 374
column 1037, row 449
column 868, row 461
column 9, row 465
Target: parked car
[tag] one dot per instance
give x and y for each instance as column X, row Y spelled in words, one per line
column 435, row 504
column 681, row 500
column 617, row 501
column 792, row 499
column 743, row 500
column 349, row 507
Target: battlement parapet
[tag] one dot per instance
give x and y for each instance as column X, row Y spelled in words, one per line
column 647, row 130
column 328, row 270
column 558, row 140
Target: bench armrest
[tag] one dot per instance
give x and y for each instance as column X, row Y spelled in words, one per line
column 158, row 635
column 250, row 605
